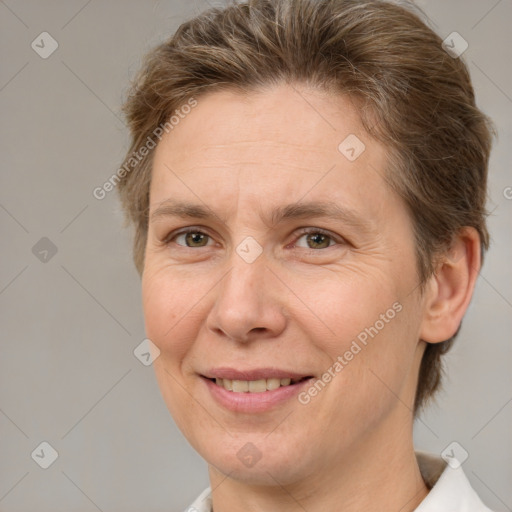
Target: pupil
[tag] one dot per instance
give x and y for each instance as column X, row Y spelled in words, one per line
column 316, row 236
column 195, row 237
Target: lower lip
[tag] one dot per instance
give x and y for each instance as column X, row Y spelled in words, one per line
column 254, row 402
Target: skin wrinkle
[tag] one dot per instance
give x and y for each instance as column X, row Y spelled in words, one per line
column 207, row 307
column 330, row 212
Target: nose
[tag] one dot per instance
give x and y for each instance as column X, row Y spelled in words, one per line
column 248, row 303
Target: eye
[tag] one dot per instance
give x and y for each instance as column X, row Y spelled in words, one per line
column 192, row 237
column 317, row 238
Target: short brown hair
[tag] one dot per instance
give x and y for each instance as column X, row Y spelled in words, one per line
column 413, row 96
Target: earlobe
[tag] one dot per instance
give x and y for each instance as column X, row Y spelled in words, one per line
column 450, row 289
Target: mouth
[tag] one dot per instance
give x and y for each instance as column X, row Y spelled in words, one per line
column 256, row 386
column 256, row 390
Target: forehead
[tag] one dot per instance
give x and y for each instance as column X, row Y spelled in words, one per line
column 277, row 144
column 287, row 116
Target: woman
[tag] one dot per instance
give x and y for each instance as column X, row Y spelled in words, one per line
column 307, row 182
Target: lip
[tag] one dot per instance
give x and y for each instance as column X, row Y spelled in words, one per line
column 253, row 402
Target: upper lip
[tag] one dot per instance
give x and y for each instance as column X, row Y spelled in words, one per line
column 254, row 374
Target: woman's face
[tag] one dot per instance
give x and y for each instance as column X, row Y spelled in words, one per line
column 261, row 291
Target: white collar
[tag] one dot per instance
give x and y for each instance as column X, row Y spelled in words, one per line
column 450, row 490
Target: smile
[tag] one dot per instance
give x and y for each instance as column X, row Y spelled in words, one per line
column 253, row 391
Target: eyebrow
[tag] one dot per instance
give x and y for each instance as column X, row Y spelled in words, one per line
column 297, row 210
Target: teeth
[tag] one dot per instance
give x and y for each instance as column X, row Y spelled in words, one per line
column 257, row 386
column 253, row 386
column 273, row 384
column 240, row 386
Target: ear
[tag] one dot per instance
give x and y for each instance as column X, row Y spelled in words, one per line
column 450, row 289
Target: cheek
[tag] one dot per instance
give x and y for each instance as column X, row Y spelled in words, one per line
column 378, row 359
column 167, row 312
column 349, row 304
column 170, row 328
column 373, row 329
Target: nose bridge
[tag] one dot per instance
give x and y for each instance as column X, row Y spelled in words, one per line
column 243, row 285
column 248, row 264
column 244, row 301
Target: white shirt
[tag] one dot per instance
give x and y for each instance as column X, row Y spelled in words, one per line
column 450, row 490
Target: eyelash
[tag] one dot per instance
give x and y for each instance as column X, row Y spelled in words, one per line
column 302, row 232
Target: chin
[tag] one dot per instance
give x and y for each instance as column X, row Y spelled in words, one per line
column 254, row 461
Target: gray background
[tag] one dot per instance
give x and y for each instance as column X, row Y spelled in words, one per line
column 68, row 375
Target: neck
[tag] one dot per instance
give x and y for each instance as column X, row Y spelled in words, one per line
column 381, row 473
